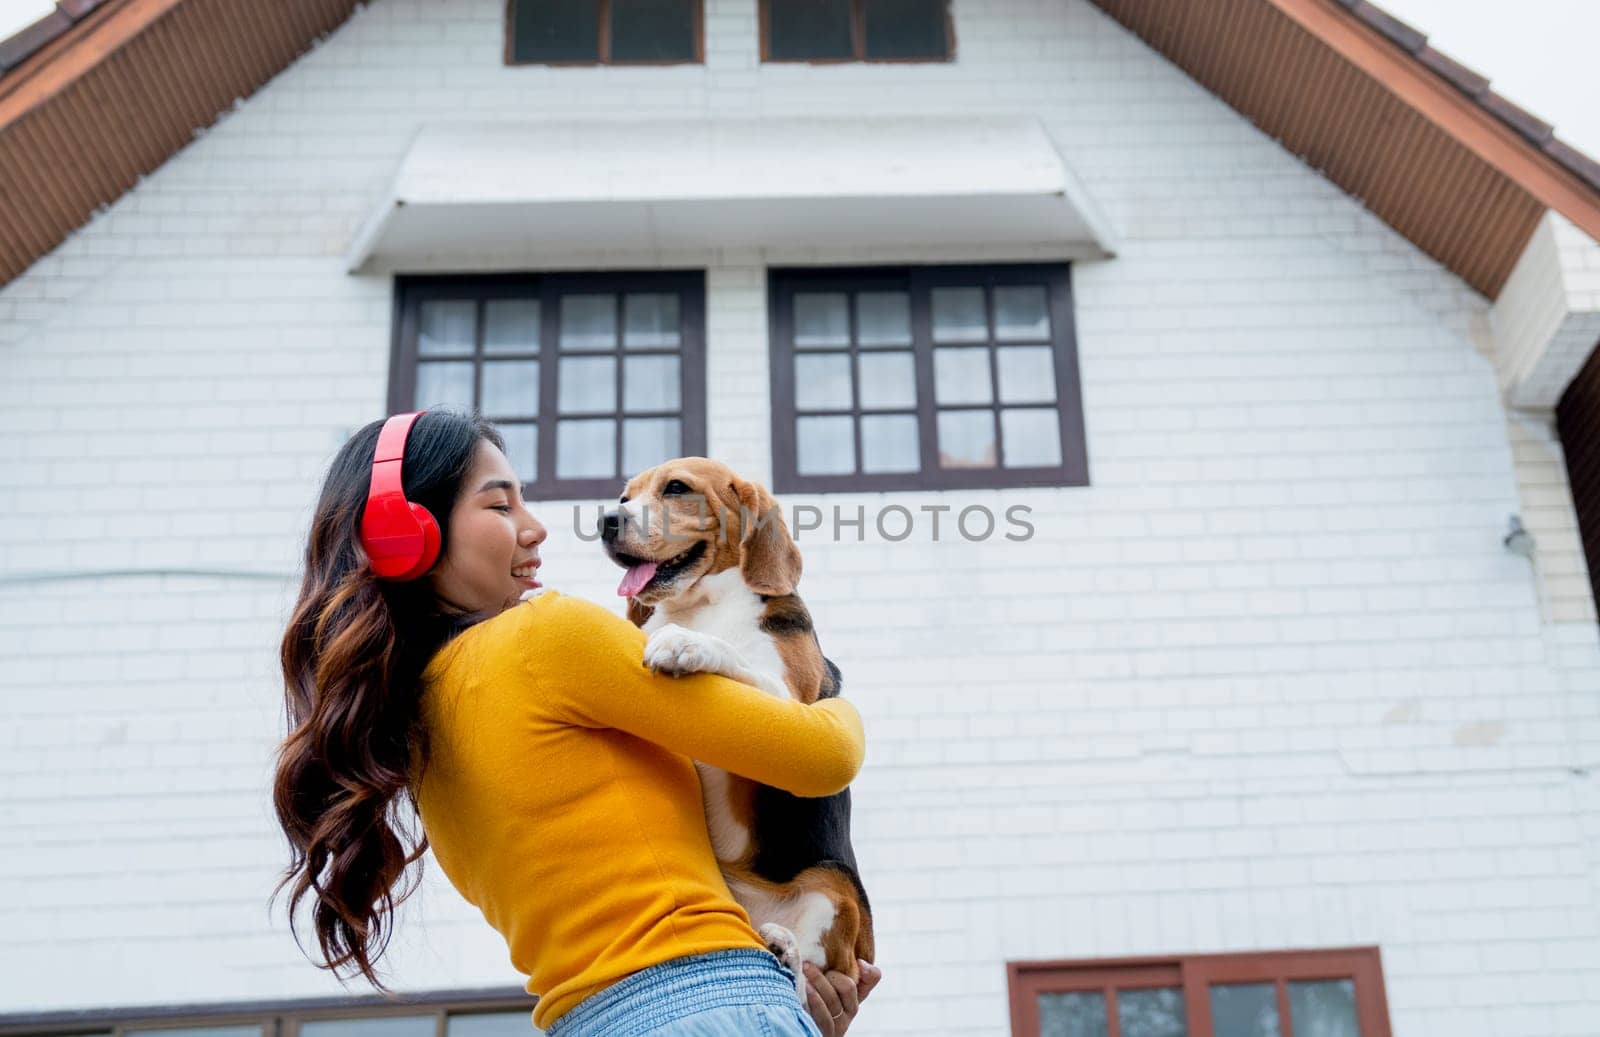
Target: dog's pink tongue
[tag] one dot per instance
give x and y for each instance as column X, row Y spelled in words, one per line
column 635, row 578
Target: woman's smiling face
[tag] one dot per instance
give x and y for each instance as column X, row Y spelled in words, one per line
column 493, row 539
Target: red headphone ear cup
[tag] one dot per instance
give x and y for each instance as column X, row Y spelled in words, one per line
column 430, row 541
column 392, row 537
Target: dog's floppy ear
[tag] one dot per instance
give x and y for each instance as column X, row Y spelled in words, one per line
column 769, row 561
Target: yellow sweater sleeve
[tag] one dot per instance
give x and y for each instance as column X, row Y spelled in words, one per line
column 589, row 665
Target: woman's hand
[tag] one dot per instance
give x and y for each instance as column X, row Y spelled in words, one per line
column 834, row 999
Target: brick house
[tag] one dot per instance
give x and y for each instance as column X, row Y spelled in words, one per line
column 1267, row 316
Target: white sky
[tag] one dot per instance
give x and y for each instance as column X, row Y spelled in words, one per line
column 1535, row 52
column 14, row 14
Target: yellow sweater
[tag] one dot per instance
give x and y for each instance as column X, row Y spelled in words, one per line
column 561, row 800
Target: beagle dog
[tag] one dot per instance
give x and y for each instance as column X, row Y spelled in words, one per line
column 711, row 574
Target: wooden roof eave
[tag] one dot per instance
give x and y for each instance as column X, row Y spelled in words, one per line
column 1451, row 110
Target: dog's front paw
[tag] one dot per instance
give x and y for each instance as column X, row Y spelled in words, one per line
column 786, row 947
column 674, row 649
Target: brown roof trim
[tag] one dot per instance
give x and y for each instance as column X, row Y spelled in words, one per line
column 92, row 108
column 1536, row 130
column 1459, row 76
column 1359, row 96
column 39, row 37
column 1499, row 132
column 1405, row 36
column 53, row 68
column 31, row 38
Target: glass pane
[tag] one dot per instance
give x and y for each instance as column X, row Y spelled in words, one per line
column 556, row 30
column 1244, row 1010
column 203, row 1031
column 1152, row 1013
column 821, row 319
column 649, row 441
column 1032, row 437
column 588, row 322
column 966, row 439
column 1078, row 1014
column 905, row 28
column 652, row 30
column 510, row 387
column 822, row 382
column 650, row 383
column 522, row 449
column 889, row 443
column 588, row 384
column 883, row 319
column 961, row 375
column 447, row 384
column 888, row 380
column 824, row 446
column 445, row 328
column 1027, row 374
column 586, row 449
column 958, row 315
column 650, row 320
column 511, row 326
column 1020, row 313
column 492, row 1024
column 798, row 30
column 1323, row 1008
column 399, row 1026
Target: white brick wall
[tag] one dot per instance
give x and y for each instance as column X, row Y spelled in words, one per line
column 1269, row 682
column 1547, row 318
column 1545, row 324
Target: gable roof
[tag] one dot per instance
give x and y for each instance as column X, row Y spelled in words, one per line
column 101, row 92
column 1359, row 95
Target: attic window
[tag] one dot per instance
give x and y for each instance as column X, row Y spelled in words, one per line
column 856, row 30
column 603, row 32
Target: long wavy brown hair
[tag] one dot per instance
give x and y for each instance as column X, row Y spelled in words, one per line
column 352, row 657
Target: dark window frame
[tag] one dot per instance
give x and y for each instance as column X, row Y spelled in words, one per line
column 919, row 281
column 548, row 288
column 698, row 15
column 858, row 40
column 1194, row 974
column 276, row 1018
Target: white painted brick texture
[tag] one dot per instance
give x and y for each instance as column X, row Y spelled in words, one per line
column 1269, row 682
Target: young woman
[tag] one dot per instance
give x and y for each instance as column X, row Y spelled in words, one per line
column 550, row 769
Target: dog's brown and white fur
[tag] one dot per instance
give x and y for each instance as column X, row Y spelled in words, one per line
column 711, row 578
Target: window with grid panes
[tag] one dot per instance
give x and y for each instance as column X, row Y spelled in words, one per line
column 856, row 30
column 925, row 378
column 1307, row 993
column 604, row 32
column 589, row 378
column 479, row 1013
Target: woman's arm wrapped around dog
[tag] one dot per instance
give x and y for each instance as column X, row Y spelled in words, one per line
column 589, row 664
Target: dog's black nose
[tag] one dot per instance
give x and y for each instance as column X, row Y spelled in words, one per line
column 610, row 524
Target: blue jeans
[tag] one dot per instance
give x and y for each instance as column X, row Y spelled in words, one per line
column 734, row 993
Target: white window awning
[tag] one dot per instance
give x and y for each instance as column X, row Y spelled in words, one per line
column 484, row 195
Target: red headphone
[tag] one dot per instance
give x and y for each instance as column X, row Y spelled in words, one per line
column 401, row 537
